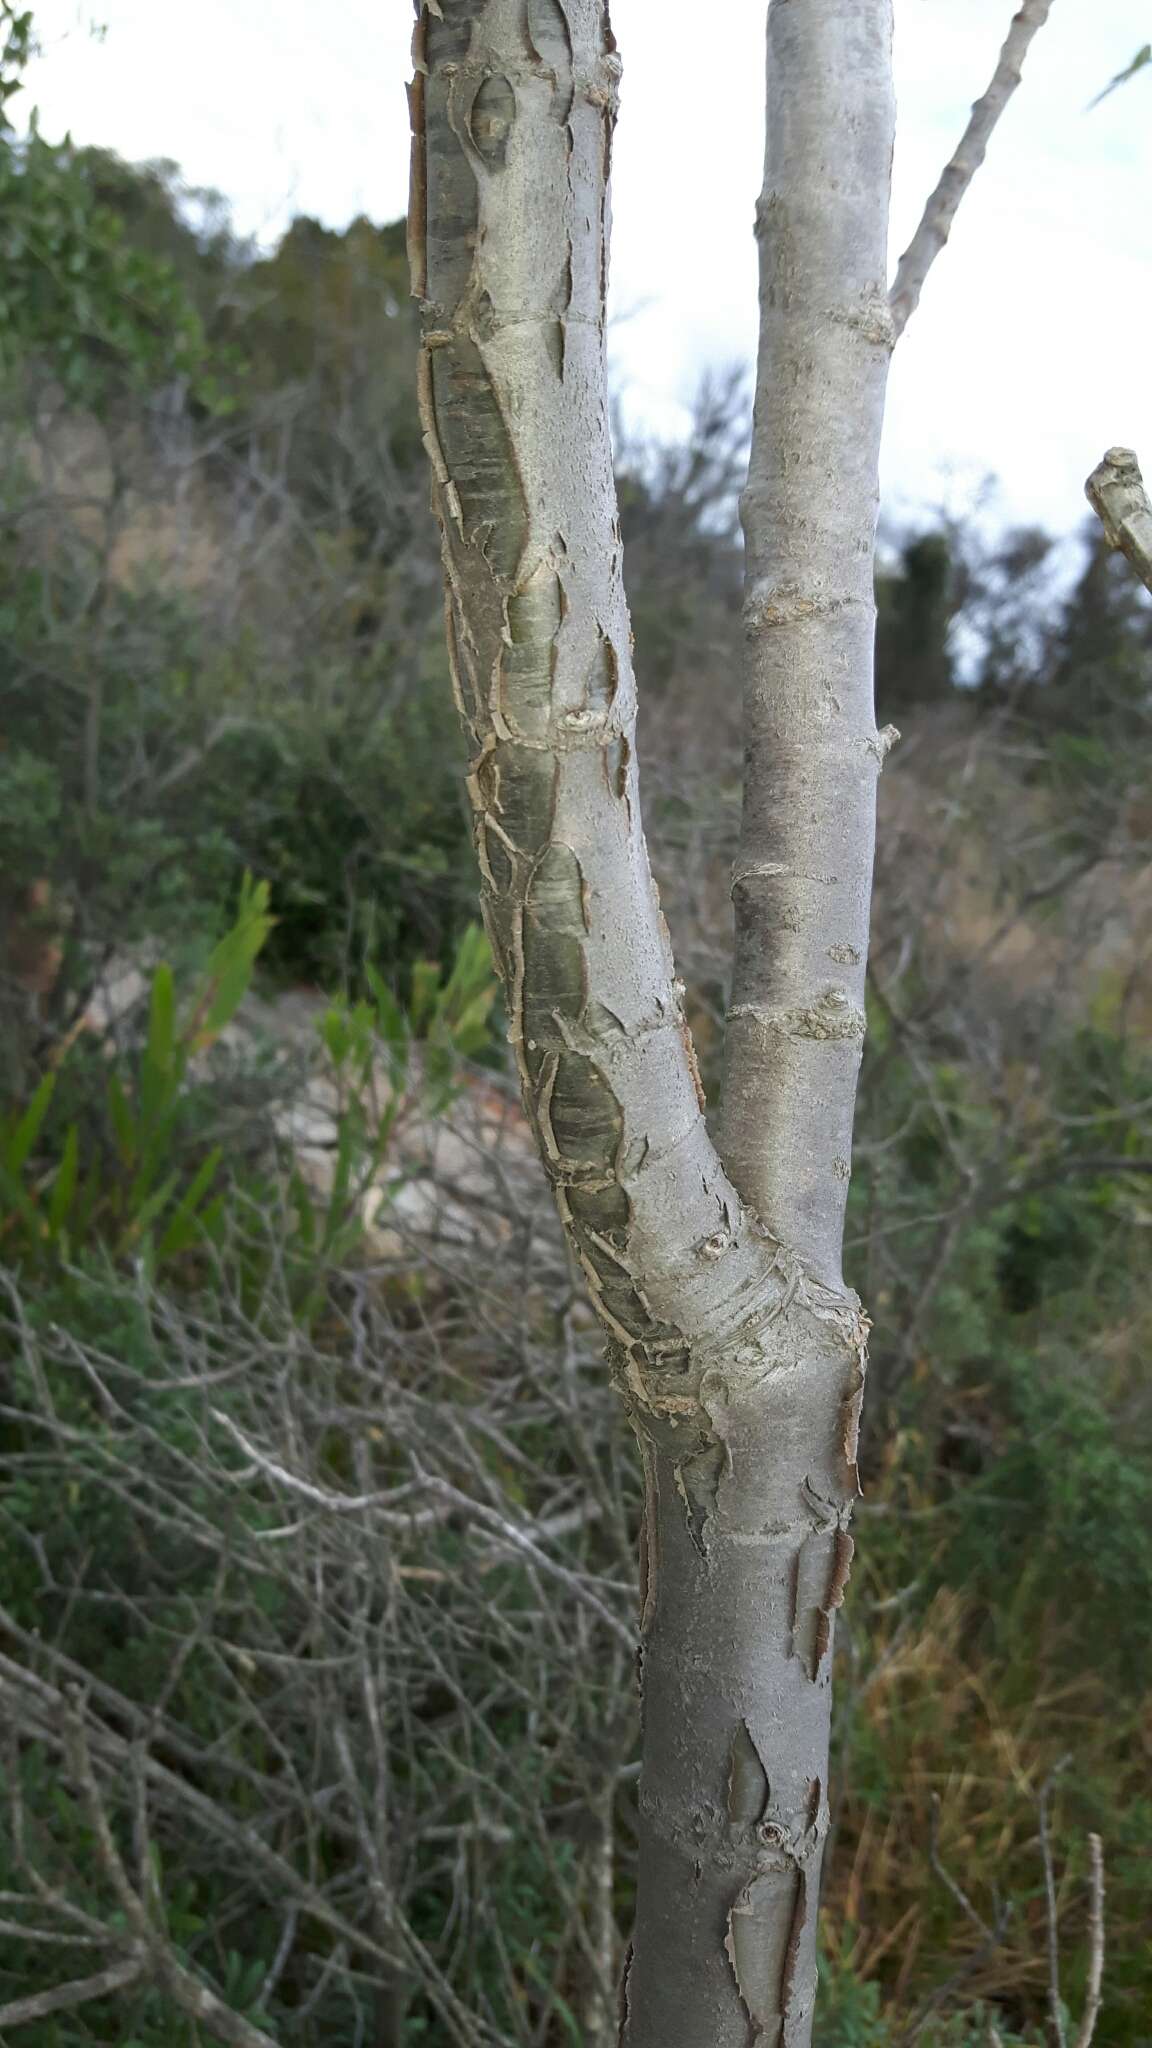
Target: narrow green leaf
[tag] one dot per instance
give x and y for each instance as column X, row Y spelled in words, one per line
column 470, row 1029
column 161, row 1042
column 142, row 1215
column 425, row 988
column 182, row 1228
column 300, row 1197
column 390, row 1019
column 15, row 1200
column 124, row 1119
column 20, row 1143
column 64, row 1185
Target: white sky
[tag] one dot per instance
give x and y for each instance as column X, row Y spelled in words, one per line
column 1030, row 351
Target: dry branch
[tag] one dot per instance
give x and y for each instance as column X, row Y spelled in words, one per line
column 40, row 2005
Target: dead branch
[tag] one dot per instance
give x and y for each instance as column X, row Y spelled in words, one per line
column 81, row 1991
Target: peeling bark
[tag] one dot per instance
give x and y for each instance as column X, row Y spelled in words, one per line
column 738, row 1352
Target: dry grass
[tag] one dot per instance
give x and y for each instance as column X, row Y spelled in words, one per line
column 937, row 1717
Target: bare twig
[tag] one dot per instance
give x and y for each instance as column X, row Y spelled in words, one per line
column 322, row 1497
column 1115, row 490
column 518, row 1540
column 1094, row 1991
column 948, row 1881
column 940, row 212
column 1055, row 2004
column 435, row 1424
column 188, row 1991
column 81, row 1991
column 990, row 1936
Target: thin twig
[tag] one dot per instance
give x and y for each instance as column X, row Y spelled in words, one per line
column 940, row 212
column 81, row 1991
column 189, row 1992
column 1055, row 2004
column 1094, row 1991
column 948, row 1881
column 321, row 1497
column 990, row 1937
column 219, row 1820
column 518, row 1540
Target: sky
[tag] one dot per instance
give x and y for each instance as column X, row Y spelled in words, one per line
column 1028, row 355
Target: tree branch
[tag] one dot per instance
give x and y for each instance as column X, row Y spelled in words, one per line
column 189, row 1992
column 940, row 212
column 65, row 1997
column 518, row 1539
column 1115, row 491
column 43, row 1711
column 512, row 115
column 802, row 886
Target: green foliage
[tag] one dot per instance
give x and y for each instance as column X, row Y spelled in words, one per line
column 850, row 2014
column 76, row 294
column 1068, row 1489
column 383, row 1053
column 140, row 1556
column 127, row 1185
column 185, row 228
column 142, row 2015
column 199, row 763
column 30, row 806
column 16, row 52
column 916, row 602
column 328, row 317
column 1004, row 1542
column 355, row 815
column 849, row 2009
column 130, row 1170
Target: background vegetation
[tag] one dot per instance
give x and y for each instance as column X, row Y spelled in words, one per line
column 315, row 1616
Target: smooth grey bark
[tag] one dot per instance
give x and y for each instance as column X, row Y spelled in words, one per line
column 803, row 880
column 714, row 1269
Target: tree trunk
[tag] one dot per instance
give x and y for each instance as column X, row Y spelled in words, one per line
column 733, row 1342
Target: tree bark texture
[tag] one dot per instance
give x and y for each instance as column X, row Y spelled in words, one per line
column 1115, row 490
column 733, row 1342
column 803, row 881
